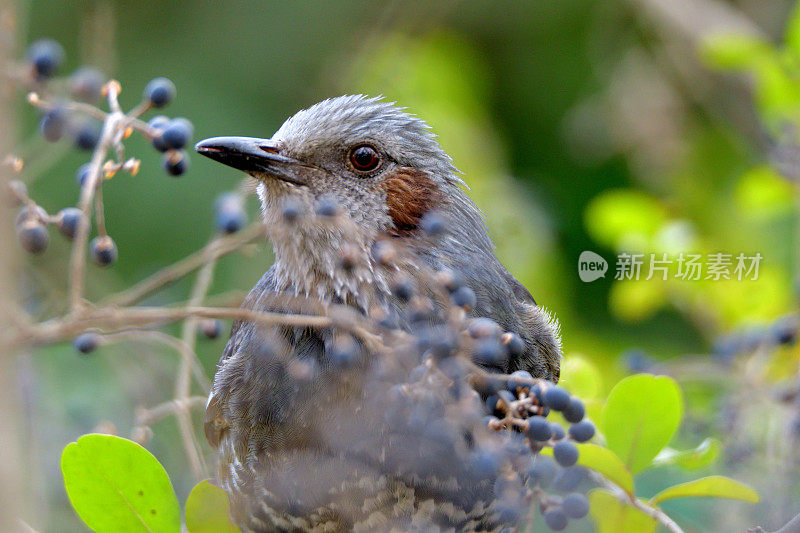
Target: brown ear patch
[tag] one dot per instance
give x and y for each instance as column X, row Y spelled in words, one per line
column 410, row 193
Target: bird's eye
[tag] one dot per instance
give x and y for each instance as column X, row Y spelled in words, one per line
column 364, row 158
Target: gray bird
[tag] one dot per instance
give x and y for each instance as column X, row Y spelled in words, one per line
column 335, row 181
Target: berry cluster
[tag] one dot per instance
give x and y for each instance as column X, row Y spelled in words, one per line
column 68, row 108
column 437, row 402
column 782, row 332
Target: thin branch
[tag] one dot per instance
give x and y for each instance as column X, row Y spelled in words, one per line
column 212, row 251
column 145, row 417
column 653, row 512
column 113, row 319
column 77, row 258
column 182, row 382
column 140, row 335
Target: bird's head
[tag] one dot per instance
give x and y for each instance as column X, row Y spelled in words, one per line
column 381, row 165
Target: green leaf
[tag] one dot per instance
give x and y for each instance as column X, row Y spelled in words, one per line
column 761, row 192
column 793, row 32
column 613, row 516
column 710, row 487
column 640, row 417
column 706, row 453
column 636, row 301
column 580, row 376
column 624, row 219
column 733, row 51
column 207, row 510
column 115, row 484
column 605, row 462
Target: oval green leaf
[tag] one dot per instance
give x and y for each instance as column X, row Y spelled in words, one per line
column 115, row 484
column 613, row 516
column 207, row 510
column 606, row 462
column 708, row 487
column 706, row 453
column 640, row 417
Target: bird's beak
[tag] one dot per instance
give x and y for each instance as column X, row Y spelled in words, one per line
column 259, row 156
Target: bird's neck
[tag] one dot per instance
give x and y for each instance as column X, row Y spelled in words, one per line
column 309, row 261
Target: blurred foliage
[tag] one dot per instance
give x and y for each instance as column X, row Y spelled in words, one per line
column 579, row 125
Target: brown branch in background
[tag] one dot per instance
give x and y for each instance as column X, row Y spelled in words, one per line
column 145, row 335
column 215, row 249
column 182, row 382
column 77, row 260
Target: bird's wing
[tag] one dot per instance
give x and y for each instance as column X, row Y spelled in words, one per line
column 214, row 422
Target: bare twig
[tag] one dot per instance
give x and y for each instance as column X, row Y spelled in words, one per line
column 77, row 259
column 182, row 383
column 211, row 252
column 653, row 512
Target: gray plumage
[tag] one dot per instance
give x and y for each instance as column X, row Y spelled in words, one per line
column 286, row 456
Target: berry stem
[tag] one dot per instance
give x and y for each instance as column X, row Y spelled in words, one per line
column 113, row 121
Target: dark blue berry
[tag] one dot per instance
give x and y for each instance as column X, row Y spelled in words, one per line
column 32, row 235
column 104, row 251
column 403, row 290
column 158, row 123
column 489, row 352
column 492, row 405
column 582, row 431
column 555, row 519
column 569, row 478
column 230, row 216
column 514, row 343
column 785, row 331
column 159, row 92
column 177, row 133
column 482, row 327
column 485, row 464
column 326, row 207
column 53, row 124
column 558, row 431
column 565, row 453
column 575, row 411
column 543, row 471
column 290, row 212
column 433, row 224
column 86, row 135
column 211, row 328
column 637, row 360
column 516, row 385
column 86, row 342
column 464, row 297
column 449, row 280
column 556, row 398
column 67, row 221
column 176, row 162
column 344, row 352
column 575, row 505
column 539, row 429
column 46, row 55
column 726, row 348
column 508, row 514
column 82, row 174
column 86, row 84
column 506, row 396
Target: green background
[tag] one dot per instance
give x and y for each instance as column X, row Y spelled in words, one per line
column 548, row 107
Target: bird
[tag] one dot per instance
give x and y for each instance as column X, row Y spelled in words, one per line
column 306, row 443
